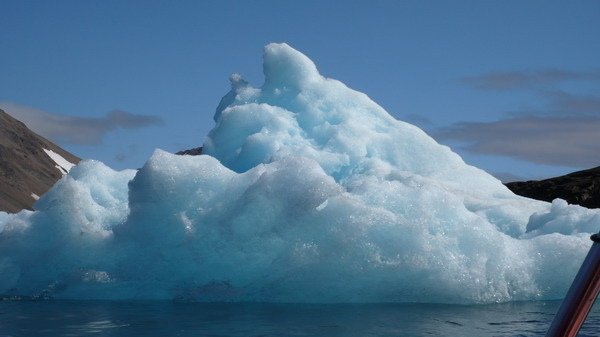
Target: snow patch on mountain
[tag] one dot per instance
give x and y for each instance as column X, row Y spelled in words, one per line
column 63, row 165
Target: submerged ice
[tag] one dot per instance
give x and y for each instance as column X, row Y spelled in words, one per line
column 308, row 191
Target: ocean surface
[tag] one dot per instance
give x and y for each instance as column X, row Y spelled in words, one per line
column 96, row 318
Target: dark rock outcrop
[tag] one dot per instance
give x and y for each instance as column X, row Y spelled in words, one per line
column 26, row 170
column 191, row 152
column 581, row 188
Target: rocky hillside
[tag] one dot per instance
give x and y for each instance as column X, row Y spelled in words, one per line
column 581, row 188
column 29, row 164
column 191, row 152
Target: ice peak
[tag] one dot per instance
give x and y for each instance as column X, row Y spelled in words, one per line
column 284, row 66
column 237, row 81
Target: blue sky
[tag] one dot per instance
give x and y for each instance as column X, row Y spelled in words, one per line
column 512, row 86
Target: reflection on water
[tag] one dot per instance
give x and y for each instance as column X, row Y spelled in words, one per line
column 71, row 318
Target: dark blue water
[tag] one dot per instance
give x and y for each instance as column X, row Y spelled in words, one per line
column 76, row 318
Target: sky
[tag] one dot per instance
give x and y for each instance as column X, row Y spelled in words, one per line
column 512, row 86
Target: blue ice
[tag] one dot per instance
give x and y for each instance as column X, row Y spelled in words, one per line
column 308, row 191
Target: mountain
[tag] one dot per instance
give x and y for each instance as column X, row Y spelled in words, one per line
column 190, row 152
column 581, row 188
column 29, row 164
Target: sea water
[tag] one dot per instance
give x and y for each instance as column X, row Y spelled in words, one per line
column 106, row 318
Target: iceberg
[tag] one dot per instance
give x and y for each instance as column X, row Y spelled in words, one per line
column 307, row 191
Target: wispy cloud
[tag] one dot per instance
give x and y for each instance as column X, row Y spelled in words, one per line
column 564, row 141
column 508, row 80
column 562, row 128
column 565, row 103
column 417, row 119
column 77, row 130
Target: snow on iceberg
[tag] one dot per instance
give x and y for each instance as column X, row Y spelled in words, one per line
column 308, row 191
